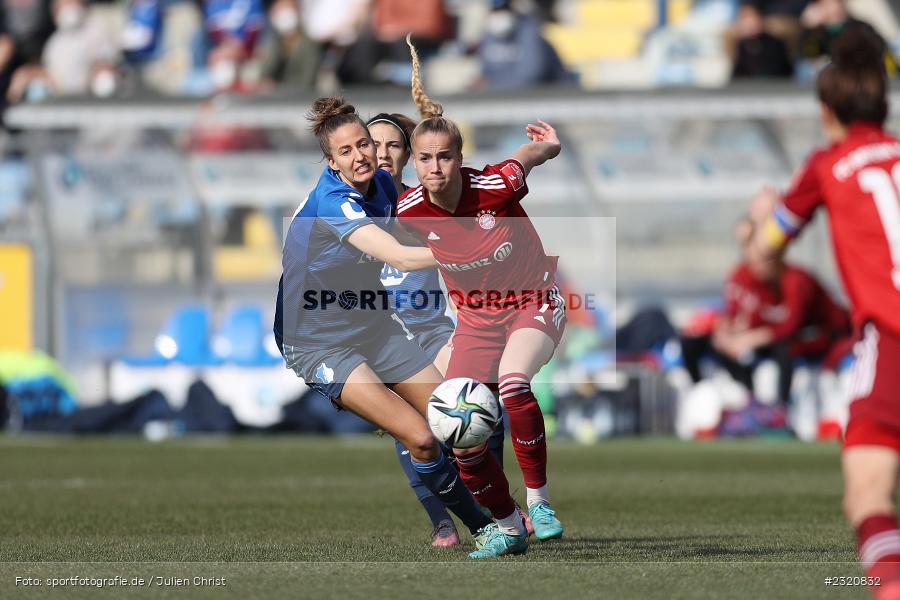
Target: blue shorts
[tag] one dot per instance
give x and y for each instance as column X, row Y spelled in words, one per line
column 392, row 354
column 433, row 336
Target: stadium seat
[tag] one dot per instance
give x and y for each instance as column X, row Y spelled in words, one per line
column 611, row 29
column 184, row 339
column 241, row 338
column 258, row 257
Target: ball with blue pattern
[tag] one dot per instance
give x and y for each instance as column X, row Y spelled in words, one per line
column 462, row 413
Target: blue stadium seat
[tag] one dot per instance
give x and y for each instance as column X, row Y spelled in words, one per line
column 184, row 339
column 241, row 338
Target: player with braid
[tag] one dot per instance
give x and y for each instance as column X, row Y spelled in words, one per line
column 427, row 320
column 510, row 312
column 361, row 358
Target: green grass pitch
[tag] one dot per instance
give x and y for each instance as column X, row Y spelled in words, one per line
column 323, row 517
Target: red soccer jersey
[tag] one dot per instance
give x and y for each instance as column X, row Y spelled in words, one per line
column 858, row 181
column 490, row 255
column 798, row 309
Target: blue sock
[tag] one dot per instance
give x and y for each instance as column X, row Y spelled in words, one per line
column 437, row 512
column 495, row 442
column 441, row 478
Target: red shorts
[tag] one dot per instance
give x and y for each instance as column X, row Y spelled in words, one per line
column 875, row 390
column 478, row 343
column 867, row 432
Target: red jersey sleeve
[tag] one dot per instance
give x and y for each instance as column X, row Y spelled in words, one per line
column 802, row 199
column 507, row 177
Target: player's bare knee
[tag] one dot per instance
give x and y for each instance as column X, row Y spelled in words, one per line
column 849, row 504
column 422, row 445
column 860, row 503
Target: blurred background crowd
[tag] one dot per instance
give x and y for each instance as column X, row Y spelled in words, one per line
column 153, row 151
column 119, row 48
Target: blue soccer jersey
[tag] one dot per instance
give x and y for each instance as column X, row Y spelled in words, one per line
column 416, row 295
column 330, row 293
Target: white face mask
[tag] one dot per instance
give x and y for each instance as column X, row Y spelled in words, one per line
column 103, row 85
column 500, row 22
column 286, row 21
column 224, row 74
column 70, row 16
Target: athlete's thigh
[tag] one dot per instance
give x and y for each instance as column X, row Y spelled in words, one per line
column 533, row 335
column 527, row 350
column 417, row 389
column 442, row 358
column 476, row 353
column 365, row 395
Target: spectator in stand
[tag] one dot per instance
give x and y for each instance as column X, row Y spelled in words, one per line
column 25, row 26
column 289, row 57
column 234, row 27
column 143, row 30
column 773, row 310
column 383, row 44
column 822, row 21
column 514, row 54
column 763, row 41
column 335, row 25
column 7, row 54
column 78, row 58
column 165, row 44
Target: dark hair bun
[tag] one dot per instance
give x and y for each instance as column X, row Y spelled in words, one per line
column 324, row 109
column 858, row 48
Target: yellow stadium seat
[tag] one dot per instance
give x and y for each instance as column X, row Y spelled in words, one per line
column 639, row 14
column 258, row 231
column 577, row 45
column 258, row 258
column 610, row 29
column 678, row 10
column 634, row 14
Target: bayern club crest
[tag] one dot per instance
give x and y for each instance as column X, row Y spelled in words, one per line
column 487, row 219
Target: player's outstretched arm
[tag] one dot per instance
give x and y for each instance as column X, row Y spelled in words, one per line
column 376, row 242
column 544, row 145
column 768, row 235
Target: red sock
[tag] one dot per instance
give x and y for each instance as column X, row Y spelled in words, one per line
column 484, row 477
column 878, row 537
column 526, row 427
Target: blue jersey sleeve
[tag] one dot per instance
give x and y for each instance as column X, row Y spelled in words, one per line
column 342, row 215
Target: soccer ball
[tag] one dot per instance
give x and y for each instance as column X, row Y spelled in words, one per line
column 462, row 413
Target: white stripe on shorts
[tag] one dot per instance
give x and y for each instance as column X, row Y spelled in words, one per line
column 863, row 374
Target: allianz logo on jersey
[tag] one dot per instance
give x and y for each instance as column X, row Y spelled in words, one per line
column 502, row 252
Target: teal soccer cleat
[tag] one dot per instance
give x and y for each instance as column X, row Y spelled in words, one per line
column 546, row 525
column 484, row 534
column 491, row 543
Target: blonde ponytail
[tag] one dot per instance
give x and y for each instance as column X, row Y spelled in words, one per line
column 432, row 112
column 428, row 108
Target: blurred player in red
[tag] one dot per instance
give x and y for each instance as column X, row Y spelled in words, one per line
column 857, row 180
column 773, row 310
column 510, row 312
